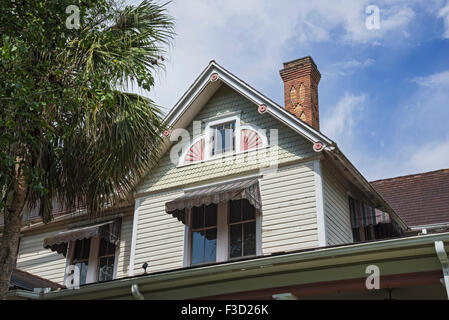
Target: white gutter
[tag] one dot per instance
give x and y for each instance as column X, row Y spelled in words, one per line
column 441, row 253
column 136, row 293
column 134, row 238
column 262, row 262
column 430, row 226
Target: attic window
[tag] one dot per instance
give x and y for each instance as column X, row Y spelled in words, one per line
column 223, row 138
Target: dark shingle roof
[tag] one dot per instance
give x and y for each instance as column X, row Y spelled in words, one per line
column 419, row 199
column 27, row 281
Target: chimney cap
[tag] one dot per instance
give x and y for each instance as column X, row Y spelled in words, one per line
column 300, row 61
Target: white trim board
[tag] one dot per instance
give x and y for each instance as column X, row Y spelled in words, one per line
column 319, row 196
column 134, row 238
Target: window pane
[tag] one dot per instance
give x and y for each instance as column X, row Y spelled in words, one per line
column 204, row 246
column 235, row 213
column 249, row 211
column 210, row 251
column 106, row 269
column 198, row 217
column 211, row 215
column 223, row 138
column 249, row 236
column 86, row 249
column 106, row 248
column 77, row 250
column 83, row 271
column 103, row 247
column 197, row 247
column 81, row 251
column 235, row 243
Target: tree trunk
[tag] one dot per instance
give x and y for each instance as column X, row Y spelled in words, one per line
column 11, row 235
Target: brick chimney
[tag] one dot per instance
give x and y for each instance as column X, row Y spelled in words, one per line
column 301, row 78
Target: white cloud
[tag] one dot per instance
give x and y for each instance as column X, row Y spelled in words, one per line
column 419, row 141
column 345, row 68
column 444, row 14
column 437, row 79
column 340, row 122
column 252, row 38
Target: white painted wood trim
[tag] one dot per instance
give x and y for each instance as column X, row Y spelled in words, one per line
column 187, row 243
column 222, row 232
column 70, row 248
column 116, row 257
column 92, row 267
column 223, row 182
column 207, row 144
column 259, row 217
column 134, row 238
column 319, row 196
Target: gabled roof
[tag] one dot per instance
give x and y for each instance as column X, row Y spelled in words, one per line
column 421, row 200
column 203, row 89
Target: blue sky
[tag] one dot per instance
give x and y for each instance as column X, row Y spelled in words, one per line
column 383, row 95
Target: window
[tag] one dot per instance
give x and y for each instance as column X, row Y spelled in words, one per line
column 95, row 258
column 221, row 232
column 106, row 258
column 223, row 138
column 204, row 234
column 242, row 229
column 80, row 258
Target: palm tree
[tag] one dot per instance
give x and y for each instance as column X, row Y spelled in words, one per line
column 78, row 135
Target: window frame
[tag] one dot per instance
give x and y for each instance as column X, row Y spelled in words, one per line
column 204, row 228
column 223, row 237
column 93, row 261
column 241, row 222
column 209, row 132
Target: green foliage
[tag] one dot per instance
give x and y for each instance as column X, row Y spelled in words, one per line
column 66, row 122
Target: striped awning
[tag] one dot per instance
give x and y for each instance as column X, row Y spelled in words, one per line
column 365, row 215
column 242, row 189
column 109, row 231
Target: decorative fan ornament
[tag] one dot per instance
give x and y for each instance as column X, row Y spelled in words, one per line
column 214, row 77
column 166, row 133
column 318, row 146
column 249, row 139
column 196, row 152
column 262, row 108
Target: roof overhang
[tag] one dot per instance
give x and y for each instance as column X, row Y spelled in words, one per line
column 394, row 256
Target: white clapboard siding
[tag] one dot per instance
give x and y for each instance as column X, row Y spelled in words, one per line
column 125, row 247
column 160, row 237
column 289, row 219
column 33, row 258
column 336, row 207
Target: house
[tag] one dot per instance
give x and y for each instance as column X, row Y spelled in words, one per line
column 248, row 200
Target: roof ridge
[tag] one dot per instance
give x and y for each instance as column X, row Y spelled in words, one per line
column 411, row 175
